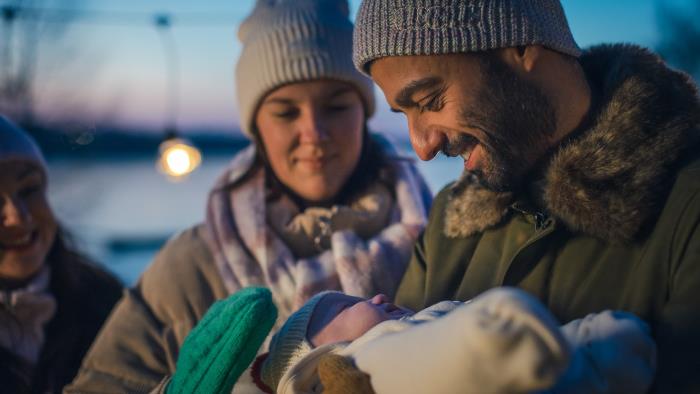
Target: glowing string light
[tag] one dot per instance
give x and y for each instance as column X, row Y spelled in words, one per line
column 178, row 158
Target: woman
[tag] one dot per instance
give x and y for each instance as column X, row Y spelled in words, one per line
column 52, row 300
column 314, row 203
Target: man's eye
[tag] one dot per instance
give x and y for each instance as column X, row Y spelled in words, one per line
column 434, row 102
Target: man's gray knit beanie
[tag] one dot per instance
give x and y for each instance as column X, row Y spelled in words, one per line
column 436, row 27
column 287, row 41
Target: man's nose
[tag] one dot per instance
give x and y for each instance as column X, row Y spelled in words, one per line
column 312, row 127
column 14, row 213
column 426, row 141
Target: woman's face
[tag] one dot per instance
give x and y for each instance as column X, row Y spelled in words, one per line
column 27, row 224
column 312, row 134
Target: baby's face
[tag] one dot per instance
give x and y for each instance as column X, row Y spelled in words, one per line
column 348, row 318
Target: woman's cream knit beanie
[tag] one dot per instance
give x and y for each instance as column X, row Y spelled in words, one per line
column 287, row 41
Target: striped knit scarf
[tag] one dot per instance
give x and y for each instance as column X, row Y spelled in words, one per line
column 24, row 314
column 249, row 253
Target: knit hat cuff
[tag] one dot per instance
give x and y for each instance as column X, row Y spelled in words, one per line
column 290, row 343
column 426, row 27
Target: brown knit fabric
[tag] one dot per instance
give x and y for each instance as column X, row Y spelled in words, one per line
column 339, row 375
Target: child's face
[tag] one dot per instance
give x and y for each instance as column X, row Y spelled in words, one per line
column 350, row 317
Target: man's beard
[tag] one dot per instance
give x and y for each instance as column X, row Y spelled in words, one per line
column 517, row 121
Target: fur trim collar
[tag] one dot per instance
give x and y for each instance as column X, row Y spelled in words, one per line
column 611, row 180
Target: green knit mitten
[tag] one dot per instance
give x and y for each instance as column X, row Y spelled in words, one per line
column 224, row 343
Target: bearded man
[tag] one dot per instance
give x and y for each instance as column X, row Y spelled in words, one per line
column 581, row 179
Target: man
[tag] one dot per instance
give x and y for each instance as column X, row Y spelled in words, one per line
column 581, row 178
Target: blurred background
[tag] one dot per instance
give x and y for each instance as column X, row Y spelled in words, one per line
column 101, row 84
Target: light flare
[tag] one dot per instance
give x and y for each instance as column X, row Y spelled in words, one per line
column 178, row 158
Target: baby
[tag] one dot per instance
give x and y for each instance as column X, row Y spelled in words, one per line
column 502, row 341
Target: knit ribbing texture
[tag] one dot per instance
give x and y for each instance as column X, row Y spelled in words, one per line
column 436, row 27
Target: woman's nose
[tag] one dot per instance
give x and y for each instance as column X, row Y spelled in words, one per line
column 13, row 212
column 313, row 127
column 379, row 299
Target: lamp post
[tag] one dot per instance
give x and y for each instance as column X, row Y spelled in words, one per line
column 177, row 157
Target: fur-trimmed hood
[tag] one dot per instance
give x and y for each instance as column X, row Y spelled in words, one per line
column 612, row 179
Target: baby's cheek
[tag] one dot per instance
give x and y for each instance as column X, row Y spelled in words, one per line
column 374, row 322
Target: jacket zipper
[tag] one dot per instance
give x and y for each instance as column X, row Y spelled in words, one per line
column 540, row 217
column 540, row 220
column 544, row 227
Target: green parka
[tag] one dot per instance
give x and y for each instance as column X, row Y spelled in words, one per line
column 613, row 222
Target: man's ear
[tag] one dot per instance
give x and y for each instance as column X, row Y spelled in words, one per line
column 522, row 59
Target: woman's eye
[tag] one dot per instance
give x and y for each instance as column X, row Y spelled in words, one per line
column 337, row 107
column 29, row 190
column 287, row 114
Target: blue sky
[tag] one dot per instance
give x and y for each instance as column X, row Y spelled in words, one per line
column 113, row 67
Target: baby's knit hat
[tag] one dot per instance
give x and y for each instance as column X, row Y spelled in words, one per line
column 16, row 144
column 287, row 41
column 429, row 27
column 290, row 343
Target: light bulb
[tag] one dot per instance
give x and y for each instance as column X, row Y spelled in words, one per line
column 178, row 158
column 178, row 161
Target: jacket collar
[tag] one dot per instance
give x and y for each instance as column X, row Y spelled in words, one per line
column 610, row 180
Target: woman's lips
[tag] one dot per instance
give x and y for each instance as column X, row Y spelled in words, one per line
column 314, row 162
column 19, row 244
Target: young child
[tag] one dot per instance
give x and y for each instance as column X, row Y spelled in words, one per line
column 502, row 341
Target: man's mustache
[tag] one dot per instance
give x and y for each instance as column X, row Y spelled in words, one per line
column 458, row 144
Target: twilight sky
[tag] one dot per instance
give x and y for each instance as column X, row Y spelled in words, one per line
column 110, row 63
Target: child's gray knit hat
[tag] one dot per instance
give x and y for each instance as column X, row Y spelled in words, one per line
column 16, row 144
column 287, row 41
column 290, row 343
column 436, row 27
